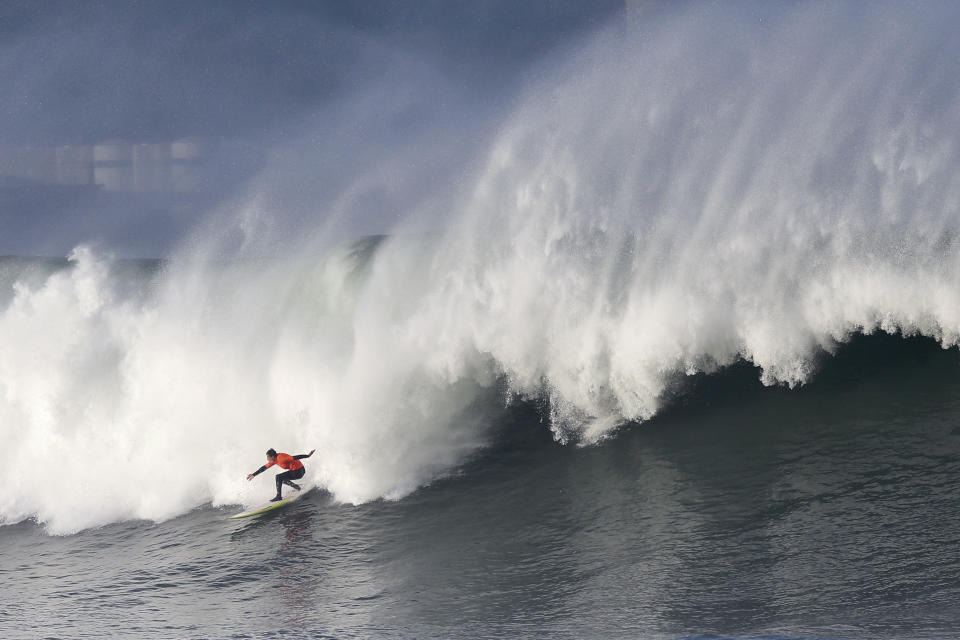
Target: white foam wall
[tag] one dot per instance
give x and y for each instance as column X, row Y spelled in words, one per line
column 712, row 187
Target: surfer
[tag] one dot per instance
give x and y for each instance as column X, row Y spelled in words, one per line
column 294, row 469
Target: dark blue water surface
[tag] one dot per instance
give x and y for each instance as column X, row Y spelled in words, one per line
column 832, row 511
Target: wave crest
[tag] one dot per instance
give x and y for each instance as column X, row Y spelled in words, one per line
column 709, row 189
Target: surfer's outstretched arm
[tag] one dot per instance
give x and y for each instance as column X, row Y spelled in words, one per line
column 271, row 460
column 304, row 455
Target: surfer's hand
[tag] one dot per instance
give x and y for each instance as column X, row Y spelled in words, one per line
column 249, row 476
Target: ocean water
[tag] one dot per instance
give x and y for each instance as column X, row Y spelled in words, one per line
column 674, row 354
column 829, row 512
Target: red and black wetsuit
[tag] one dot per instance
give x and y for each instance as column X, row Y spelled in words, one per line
column 294, row 469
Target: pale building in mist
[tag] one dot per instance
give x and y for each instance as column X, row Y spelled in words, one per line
column 112, row 165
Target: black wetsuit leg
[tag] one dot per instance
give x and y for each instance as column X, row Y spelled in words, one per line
column 288, row 476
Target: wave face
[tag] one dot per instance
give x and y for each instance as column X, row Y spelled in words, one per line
column 720, row 184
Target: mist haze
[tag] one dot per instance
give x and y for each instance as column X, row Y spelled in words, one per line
column 125, row 124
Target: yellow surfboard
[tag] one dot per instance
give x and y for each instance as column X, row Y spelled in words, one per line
column 269, row 506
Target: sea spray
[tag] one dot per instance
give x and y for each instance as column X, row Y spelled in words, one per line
column 710, row 190
column 717, row 185
column 157, row 403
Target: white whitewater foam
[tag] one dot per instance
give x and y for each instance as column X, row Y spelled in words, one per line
column 721, row 185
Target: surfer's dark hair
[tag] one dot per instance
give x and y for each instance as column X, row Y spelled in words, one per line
column 271, row 453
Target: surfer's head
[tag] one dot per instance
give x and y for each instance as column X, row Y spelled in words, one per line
column 271, row 455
